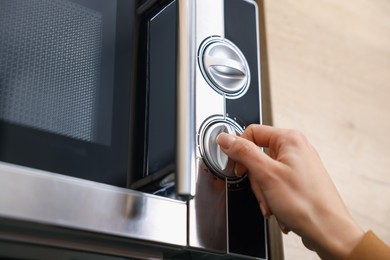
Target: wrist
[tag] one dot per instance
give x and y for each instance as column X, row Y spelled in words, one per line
column 341, row 236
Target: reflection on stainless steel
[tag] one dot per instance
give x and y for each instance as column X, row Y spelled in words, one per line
column 186, row 99
column 167, row 187
column 207, row 211
column 209, row 21
column 48, row 198
column 208, row 215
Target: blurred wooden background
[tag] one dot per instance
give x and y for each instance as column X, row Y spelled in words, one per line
column 329, row 71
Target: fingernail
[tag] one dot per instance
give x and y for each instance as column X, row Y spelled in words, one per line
column 283, row 228
column 238, row 174
column 225, row 140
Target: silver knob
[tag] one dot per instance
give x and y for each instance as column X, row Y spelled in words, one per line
column 217, row 160
column 224, row 67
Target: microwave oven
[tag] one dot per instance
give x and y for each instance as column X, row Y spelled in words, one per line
column 109, row 110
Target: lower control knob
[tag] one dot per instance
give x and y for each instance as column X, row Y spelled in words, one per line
column 215, row 158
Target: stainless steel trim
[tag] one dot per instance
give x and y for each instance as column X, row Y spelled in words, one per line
column 260, row 98
column 209, row 22
column 258, row 57
column 210, row 207
column 207, row 217
column 48, row 198
column 207, row 211
column 186, row 99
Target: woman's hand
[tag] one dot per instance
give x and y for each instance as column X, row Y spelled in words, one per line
column 293, row 185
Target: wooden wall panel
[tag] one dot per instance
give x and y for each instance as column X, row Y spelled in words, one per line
column 329, row 72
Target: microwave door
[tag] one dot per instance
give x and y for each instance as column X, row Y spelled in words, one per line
column 67, row 75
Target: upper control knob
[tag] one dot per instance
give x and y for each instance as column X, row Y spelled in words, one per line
column 224, row 66
column 217, row 160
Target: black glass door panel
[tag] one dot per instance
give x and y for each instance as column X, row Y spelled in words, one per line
column 65, row 78
column 154, row 150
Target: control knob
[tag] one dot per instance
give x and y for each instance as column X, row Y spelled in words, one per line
column 215, row 158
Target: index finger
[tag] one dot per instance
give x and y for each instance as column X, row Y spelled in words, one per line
column 262, row 135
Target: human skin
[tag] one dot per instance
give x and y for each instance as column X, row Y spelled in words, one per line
column 292, row 184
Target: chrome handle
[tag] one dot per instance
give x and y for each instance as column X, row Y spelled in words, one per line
column 186, row 62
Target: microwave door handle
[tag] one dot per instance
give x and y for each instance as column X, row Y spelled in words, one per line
column 186, row 62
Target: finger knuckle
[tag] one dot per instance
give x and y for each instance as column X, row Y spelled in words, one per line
column 250, row 131
column 251, row 127
column 245, row 148
column 295, row 137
